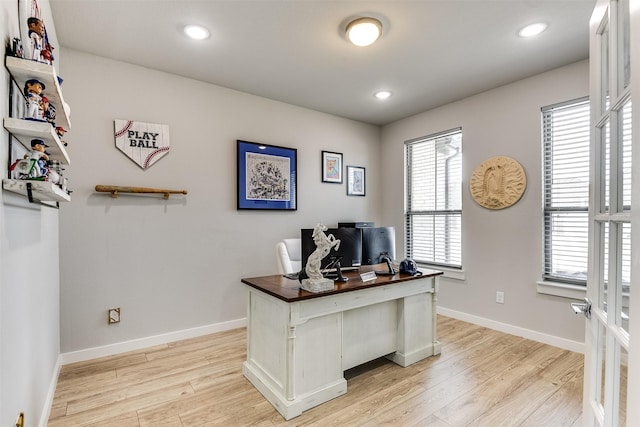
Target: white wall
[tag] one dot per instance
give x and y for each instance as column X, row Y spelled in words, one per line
column 29, row 276
column 177, row 264
column 502, row 249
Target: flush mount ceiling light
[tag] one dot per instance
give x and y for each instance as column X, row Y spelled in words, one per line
column 364, row 31
column 383, row 94
column 196, row 32
column 532, row 30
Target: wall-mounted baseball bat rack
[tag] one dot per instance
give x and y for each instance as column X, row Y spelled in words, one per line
column 116, row 190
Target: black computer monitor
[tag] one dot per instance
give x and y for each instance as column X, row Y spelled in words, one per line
column 349, row 252
column 376, row 243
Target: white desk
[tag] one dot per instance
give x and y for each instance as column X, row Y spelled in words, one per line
column 300, row 343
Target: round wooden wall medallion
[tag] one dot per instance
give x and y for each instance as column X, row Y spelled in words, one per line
column 498, row 182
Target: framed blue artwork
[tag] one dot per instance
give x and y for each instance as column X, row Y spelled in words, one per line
column 332, row 167
column 355, row 181
column 267, row 176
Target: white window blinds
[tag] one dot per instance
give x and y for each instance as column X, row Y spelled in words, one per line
column 565, row 133
column 433, row 220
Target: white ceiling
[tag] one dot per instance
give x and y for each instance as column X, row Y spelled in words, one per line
column 431, row 52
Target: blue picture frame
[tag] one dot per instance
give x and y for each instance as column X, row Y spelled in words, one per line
column 267, row 177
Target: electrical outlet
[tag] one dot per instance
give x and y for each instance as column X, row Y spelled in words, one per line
column 500, row 297
column 114, row 315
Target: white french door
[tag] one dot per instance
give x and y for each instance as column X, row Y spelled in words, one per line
column 611, row 380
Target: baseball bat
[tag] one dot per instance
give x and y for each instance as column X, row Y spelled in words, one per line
column 115, row 189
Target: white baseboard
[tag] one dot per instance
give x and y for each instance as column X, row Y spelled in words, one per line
column 566, row 344
column 137, row 344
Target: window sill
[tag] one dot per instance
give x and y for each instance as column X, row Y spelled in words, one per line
column 562, row 290
column 449, row 273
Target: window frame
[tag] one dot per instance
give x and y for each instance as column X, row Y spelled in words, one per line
column 411, row 212
column 551, row 209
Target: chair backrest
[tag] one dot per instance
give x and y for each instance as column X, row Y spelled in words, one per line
column 289, row 256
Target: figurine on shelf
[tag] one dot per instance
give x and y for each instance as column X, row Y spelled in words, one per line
column 60, row 131
column 49, row 111
column 56, row 174
column 47, row 51
column 36, row 36
column 33, row 89
column 38, row 153
column 16, row 48
column 37, row 160
column 33, row 166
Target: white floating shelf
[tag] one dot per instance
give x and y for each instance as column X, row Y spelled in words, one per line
column 24, row 69
column 43, row 191
column 26, row 130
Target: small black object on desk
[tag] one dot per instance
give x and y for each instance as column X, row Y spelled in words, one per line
column 337, row 277
column 391, row 271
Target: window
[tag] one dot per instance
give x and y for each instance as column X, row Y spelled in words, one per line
column 433, row 222
column 565, row 134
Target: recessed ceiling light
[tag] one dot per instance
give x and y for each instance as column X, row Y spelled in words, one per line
column 532, row 30
column 383, row 94
column 196, row 32
column 364, row 31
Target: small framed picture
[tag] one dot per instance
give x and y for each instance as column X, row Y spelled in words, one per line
column 355, row 181
column 332, row 167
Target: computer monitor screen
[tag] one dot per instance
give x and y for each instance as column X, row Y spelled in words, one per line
column 350, row 249
column 376, row 242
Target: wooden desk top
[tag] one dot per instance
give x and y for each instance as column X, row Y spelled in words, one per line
column 289, row 289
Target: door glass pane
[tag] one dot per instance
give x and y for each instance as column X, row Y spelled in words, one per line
column 626, row 155
column 625, row 56
column 626, row 277
column 604, row 68
column 622, row 387
column 601, row 367
column 606, row 167
column 604, row 278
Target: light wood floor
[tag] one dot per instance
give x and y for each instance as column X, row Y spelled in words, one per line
column 482, row 378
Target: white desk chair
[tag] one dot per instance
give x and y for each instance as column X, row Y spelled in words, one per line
column 289, row 256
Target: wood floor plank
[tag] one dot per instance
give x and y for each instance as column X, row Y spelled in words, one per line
column 206, row 344
column 111, row 410
column 84, row 385
column 438, row 369
column 560, row 409
column 104, row 364
column 126, row 389
column 511, row 373
column 482, row 378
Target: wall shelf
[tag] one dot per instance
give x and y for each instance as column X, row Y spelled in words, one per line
column 23, row 69
column 25, row 130
column 43, row 191
column 39, row 192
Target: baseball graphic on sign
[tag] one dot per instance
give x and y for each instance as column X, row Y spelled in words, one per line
column 144, row 143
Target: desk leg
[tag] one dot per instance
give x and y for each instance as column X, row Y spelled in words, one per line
column 295, row 366
column 290, row 390
column 416, row 330
column 437, row 347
